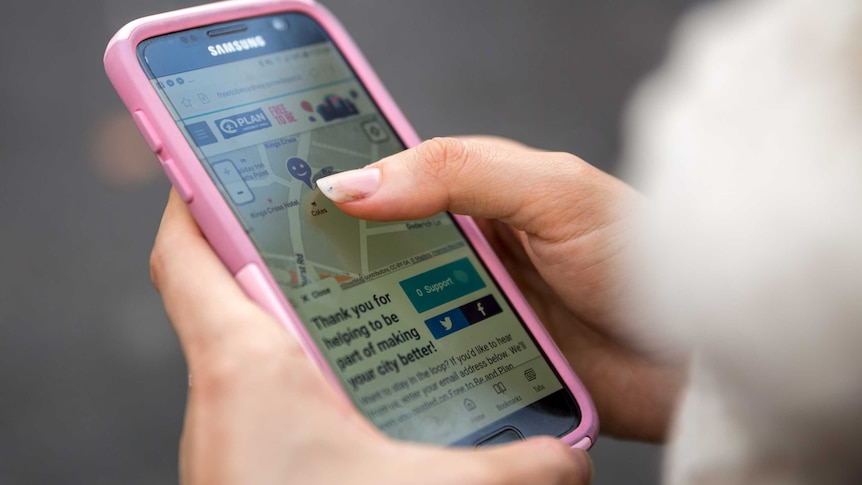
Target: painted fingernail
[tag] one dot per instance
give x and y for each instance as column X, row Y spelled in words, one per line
column 350, row 185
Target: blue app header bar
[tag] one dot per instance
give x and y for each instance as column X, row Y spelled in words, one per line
column 201, row 133
column 196, row 48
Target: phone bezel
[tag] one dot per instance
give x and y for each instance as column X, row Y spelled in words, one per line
column 218, row 222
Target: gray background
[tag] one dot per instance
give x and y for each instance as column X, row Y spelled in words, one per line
column 92, row 384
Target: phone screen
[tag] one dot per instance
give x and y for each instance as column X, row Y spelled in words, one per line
column 419, row 334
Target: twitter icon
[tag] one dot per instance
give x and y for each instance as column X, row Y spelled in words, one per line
column 447, row 323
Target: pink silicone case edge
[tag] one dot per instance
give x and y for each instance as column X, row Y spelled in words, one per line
column 589, row 425
column 217, row 221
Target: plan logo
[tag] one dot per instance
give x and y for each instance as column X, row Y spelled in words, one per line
column 242, row 123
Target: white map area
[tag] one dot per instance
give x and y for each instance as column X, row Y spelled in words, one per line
column 303, row 237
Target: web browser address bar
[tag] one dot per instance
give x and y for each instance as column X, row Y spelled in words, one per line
column 259, row 86
column 251, row 80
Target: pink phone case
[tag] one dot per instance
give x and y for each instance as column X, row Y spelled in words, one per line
column 217, row 221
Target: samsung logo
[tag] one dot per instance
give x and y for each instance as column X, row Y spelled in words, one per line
column 237, row 45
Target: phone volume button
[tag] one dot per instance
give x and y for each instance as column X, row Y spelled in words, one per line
column 177, row 179
column 146, row 129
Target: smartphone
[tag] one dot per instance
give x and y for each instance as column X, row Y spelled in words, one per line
column 246, row 104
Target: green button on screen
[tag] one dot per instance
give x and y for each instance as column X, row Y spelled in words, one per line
column 442, row 285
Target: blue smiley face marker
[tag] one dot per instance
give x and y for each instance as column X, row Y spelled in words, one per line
column 299, row 169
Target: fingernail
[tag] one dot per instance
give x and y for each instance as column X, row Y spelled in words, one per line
column 350, row 185
column 585, row 465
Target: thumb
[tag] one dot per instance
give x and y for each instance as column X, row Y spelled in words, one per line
column 523, row 187
column 538, row 461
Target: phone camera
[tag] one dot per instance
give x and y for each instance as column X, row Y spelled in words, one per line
column 279, row 24
column 190, row 39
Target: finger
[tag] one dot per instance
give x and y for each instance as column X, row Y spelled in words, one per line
column 536, row 461
column 499, row 141
column 526, row 188
column 205, row 305
column 185, row 457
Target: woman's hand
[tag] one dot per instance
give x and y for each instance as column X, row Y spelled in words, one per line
column 259, row 412
column 560, row 226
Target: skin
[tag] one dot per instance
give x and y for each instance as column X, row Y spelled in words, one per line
column 562, row 232
column 259, row 412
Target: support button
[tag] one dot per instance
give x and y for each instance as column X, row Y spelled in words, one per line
column 442, row 284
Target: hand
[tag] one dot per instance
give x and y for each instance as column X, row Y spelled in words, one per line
column 259, row 412
column 567, row 231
